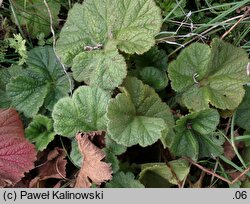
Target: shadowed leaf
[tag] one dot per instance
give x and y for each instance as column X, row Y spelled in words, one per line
column 53, row 167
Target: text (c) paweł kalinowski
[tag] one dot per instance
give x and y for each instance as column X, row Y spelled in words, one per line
column 65, row 195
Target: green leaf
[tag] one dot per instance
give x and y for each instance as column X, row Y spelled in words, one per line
column 18, row 43
column 27, row 94
column 43, row 82
column 34, row 15
column 122, row 180
column 85, row 111
column 113, row 160
column 194, row 135
column 4, row 79
column 210, row 145
column 5, row 76
column 213, row 75
column 96, row 29
column 154, row 77
column 75, row 154
column 175, row 7
column 242, row 117
column 40, row 132
column 153, row 58
column 162, row 175
column 137, row 116
column 112, row 149
column 131, row 24
column 102, row 69
column 151, row 68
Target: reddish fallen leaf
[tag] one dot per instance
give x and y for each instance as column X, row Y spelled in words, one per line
column 10, row 123
column 93, row 169
column 17, row 155
column 2, row 184
column 23, row 183
column 53, row 167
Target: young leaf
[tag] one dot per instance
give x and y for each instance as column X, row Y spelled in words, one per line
column 17, row 155
column 102, row 69
column 40, row 131
column 194, row 129
column 122, row 180
column 34, row 15
column 153, row 172
column 213, row 75
column 137, row 116
column 42, row 83
column 18, row 43
column 130, row 24
column 93, row 169
column 85, row 111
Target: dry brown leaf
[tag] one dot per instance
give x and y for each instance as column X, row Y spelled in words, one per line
column 54, row 167
column 93, row 169
column 228, row 149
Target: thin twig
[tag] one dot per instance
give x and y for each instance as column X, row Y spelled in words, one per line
column 54, row 45
column 243, row 16
column 216, row 175
column 59, row 171
column 172, row 171
column 228, row 126
column 206, row 31
column 184, row 181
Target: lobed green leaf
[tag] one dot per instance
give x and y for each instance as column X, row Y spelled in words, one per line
column 85, row 111
column 195, row 137
column 213, row 75
column 137, row 116
column 124, row 180
column 40, row 131
column 43, row 82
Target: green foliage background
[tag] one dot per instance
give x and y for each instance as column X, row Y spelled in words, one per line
column 161, row 75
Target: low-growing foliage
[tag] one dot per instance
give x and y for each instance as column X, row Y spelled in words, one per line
column 121, row 108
